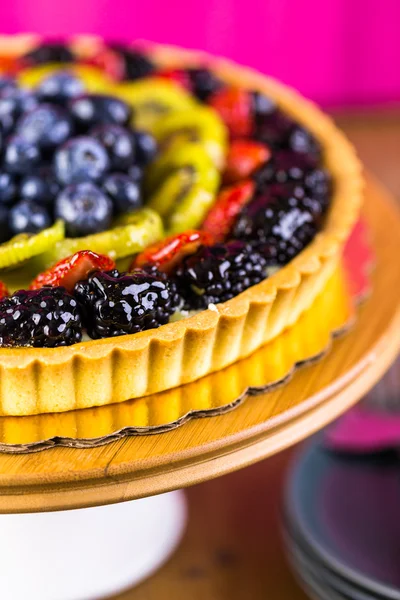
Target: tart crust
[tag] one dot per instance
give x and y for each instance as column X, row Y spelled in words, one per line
column 99, row 372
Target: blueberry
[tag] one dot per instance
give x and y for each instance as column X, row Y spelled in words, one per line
column 301, row 140
column 21, row 156
column 50, row 52
column 60, row 87
column 119, row 144
column 5, row 232
column 263, row 106
column 7, row 83
column 80, row 159
column 47, row 126
column 146, row 147
column 204, row 82
column 14, row 103
column 123, row 191
column 136, row 173
column 8, row 188
column 40, row 188
column 136, row 63
column 28, row 217
column 95, row 109
column 84, row 208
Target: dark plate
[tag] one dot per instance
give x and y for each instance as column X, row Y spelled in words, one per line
column 346, row 509
column 329, row 580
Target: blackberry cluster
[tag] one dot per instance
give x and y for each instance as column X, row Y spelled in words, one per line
column 66, row 155
column 136, row 64
column 116, row 303
column 217, row 273
column 49, row 52
column 45, row 318
column 278, row 227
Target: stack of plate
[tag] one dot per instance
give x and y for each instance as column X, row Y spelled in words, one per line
column 342, row 524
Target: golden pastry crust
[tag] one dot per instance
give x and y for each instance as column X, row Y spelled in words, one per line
column 99, row 372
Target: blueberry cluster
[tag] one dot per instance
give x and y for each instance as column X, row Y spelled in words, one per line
column 67, row 155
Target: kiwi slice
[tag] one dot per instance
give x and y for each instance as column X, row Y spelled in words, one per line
column 94, row 79
column 24, row 246
column 187, row 183
column 152, row 99
column 130, row 234
column 200, row 124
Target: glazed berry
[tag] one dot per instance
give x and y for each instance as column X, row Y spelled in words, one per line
column 68, row 271
column 123, row 191
column 302, row 141
column 28, row 217
column 52, row 52
column 203, row 83
column 84, row 208
column 80, row 159
column 285, row 166
column 273, row 128
column 5, row 232
column 60, row 87
column 318, row 184
column 118, row 304
column 145, row 146
column 279, row 228
column 136, row 173
column 96, row 109
column 263, row 106
column 41, row 188
column 7, row 84
column 217, row 273
column 47, row 126
column 119, row 144
column 21, row 156
column 8, row 188
column 135, row 63
column 14, row 103
column 44, row 318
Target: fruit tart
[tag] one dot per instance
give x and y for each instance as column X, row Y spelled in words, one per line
column 162, row 215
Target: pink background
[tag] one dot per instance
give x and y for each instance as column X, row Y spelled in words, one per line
column 335, row 51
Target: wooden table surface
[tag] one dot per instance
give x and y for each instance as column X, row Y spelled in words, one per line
column 232, row 548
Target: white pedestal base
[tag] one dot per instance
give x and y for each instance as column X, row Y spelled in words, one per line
column 87, row 554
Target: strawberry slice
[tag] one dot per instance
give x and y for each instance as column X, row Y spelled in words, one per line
column 176, row 75
column 244, row 157
column 167, row 254
column 9, row 65
column 234, row 105
column 72, row 269
column 3, row 291
column 228, row 205
column 108, row 61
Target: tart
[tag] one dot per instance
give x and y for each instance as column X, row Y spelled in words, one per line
column 163, row 214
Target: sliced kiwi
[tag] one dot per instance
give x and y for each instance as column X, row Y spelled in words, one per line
column 199, row 124
column 24, row 246
column 187, row 184
column 130, row 234
column 94, row 79
column 153, row 98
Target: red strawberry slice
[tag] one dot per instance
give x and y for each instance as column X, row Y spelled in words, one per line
column 72, row 269
column 234, row 105
column 167, row 254
column 10, row 65
column 108, row 61
column 228, row 205
column 3, row 291
column 244, row 157
column 176, row 75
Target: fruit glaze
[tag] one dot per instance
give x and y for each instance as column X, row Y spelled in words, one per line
column 133, row 194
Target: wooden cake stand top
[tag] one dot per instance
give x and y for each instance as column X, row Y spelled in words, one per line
column 134, row 467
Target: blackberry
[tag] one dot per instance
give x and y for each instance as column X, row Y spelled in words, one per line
column 214, row 274
column 116, row 303
column 277, row 228
column 45, row 318
column 285, row 166
column 204, row 83
column 136, row 63
column 51, row 52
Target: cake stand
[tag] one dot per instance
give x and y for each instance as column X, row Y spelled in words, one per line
column 66, row 553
